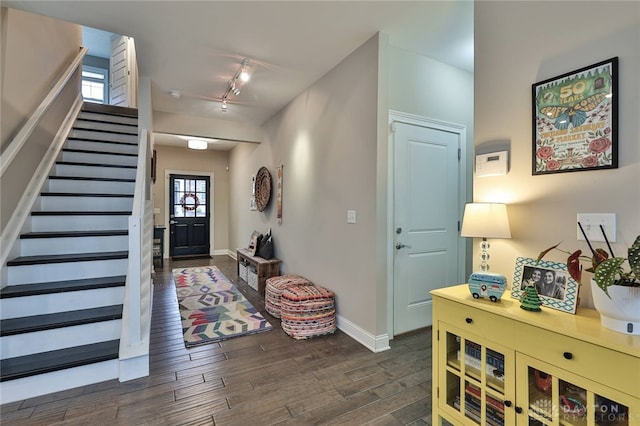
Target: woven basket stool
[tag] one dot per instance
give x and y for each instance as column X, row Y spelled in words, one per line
column 307, row 311
column 273, row 290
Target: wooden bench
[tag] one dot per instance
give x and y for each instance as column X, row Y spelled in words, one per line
column 265, row 268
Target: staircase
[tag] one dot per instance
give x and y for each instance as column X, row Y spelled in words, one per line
column 61, row 310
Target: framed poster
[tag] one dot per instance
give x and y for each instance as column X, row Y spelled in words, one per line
column 575, row 120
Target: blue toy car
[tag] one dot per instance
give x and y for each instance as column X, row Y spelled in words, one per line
column 486, row 284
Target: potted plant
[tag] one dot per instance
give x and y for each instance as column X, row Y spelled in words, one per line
column 615, row 287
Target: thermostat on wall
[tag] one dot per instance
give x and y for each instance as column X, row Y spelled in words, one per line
column 492, row 164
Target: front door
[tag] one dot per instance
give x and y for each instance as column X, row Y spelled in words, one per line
column 426, row 212
column 189, row 221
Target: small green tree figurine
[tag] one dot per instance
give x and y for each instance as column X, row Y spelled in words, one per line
column 530, row 300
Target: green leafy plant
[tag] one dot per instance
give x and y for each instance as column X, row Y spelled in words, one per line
column 607, row 270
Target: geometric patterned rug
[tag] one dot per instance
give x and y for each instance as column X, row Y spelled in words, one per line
column 212, row 309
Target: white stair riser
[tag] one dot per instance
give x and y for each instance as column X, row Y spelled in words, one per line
column 59, row 338
column 43, row 384
column 101, row 125
column 17, row 307
column 78, row 223
column 85, row 204
column 108, row 118
column 89, row 157
column 94, row 171
column 102, row 146
column 26, row 274
column 66, row 245
column 90, row 186
column 101, row 136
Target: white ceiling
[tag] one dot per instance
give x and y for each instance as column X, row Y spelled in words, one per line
column 195, row 47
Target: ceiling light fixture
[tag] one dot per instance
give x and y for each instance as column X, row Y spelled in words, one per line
column 235, row 84
column 197, row 144
column 175, row 94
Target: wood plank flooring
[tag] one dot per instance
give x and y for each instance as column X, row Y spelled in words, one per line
column 262, row 379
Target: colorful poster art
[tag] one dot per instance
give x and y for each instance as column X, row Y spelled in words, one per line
column 575, row 120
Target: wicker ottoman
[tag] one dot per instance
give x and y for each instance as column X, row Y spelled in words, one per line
column 307, row 311
column 273, row 290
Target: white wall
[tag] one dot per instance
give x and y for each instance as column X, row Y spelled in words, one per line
column 520, row 43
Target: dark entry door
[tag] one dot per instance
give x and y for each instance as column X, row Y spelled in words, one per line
column 189, row 222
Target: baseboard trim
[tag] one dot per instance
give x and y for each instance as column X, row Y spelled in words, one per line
column 374, row 343
column 56, row 381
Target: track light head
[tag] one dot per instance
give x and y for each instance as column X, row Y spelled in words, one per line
column 235, row 84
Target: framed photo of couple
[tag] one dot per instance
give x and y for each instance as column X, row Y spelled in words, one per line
column 555, row 287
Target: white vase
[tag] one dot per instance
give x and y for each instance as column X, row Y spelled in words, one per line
column 620, row 312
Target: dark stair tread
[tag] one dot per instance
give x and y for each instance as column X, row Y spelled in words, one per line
column 46, row 362
column 67, row 234
column 81, row 213
column 105, row 121
column 61, row 286
column 89, row 151
column 75, row 163
column 63, row 258
column 13, row 326
column 105, row 131
column 98, row 179
column 72, row 138
column 110, row 109
column 84, row 194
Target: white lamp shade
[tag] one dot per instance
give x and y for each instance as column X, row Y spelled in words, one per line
column 485, row 220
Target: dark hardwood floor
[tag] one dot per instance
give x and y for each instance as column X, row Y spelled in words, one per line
column 262, row 379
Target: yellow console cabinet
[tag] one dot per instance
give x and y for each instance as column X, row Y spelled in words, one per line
column 496, row 364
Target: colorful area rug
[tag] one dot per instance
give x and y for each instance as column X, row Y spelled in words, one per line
column 212, row 309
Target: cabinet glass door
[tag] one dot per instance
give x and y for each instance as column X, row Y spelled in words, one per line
column 557, row 397
column 474, row 378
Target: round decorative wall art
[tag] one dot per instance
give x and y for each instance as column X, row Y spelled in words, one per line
column 263, row 188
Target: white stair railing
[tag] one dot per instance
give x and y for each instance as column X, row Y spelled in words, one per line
column 136, row 315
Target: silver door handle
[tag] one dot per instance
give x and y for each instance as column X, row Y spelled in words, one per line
column 172, row 222
column 400, row 245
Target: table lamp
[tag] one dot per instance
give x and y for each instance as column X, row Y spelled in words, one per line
column 485, row 220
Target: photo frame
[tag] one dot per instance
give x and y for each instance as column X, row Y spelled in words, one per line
column 556, row 288
column 575, row 120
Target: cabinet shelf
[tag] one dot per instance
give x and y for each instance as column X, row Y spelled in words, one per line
column 562, row 369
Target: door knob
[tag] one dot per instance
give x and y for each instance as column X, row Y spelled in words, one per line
column 172, row 222
column 400, row 245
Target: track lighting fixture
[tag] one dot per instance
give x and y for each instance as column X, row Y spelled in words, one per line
column 235, row 84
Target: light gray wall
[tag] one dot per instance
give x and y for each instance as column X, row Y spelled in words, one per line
column 26, row 79
column 94, row 61
column 422, row 86
column 511, row 54
column 209, row 161
column 327, row 140
column 333, row 141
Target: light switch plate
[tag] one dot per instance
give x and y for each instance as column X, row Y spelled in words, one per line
column 351, row 216
column 591, row 224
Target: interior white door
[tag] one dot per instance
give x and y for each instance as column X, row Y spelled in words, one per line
column 119, row 69
column 426, row 214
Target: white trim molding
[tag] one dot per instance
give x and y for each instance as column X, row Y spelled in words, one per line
column 373, row 343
